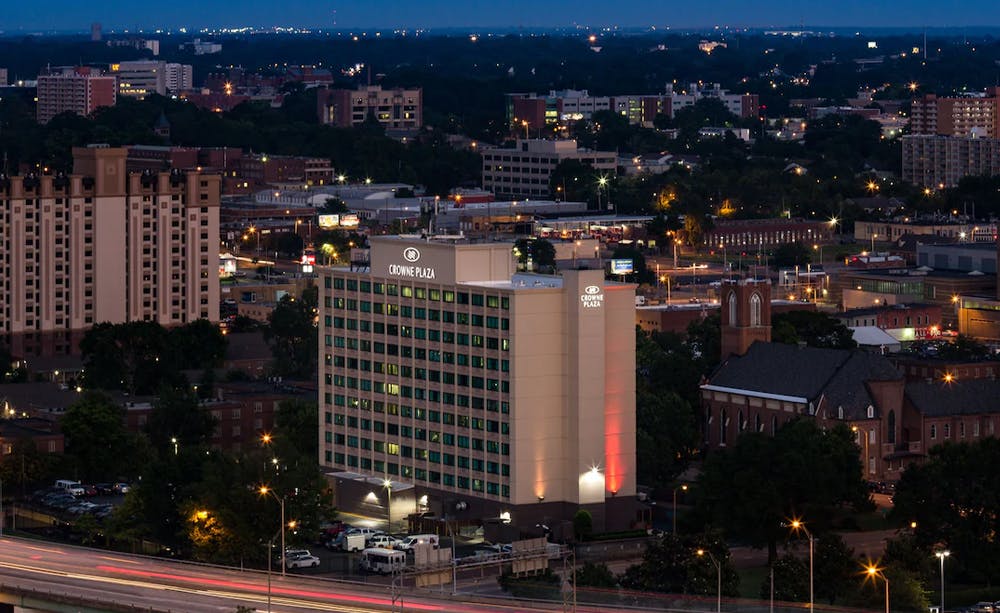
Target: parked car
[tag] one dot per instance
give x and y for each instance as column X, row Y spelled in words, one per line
column 409, row 542
column 308, row 561
column 383, row 541
column 104, row 489
column 367, row 532
column 88, row 490
column 121, row 488
column 291, row 554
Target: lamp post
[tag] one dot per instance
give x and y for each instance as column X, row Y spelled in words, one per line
column 718, row 576
column 941, row 555
column 173, row 439
column 264, row 490
column 874, row 572
column 798, row 525
column 387, row 484
column 601, row 182
column 684, row 488
column 874, row 236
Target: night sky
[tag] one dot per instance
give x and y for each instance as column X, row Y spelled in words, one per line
column 77, row 15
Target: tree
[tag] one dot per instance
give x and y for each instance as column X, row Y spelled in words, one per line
column 95, row 437
column 813, row 328
column 332, row 206
column 790, row 255
column 791, row 580
column 956, row 513
column 292, row 335
column 752, row 487
column 672, row 565
column 583, row 525
column 835, row 562
column 540, row 253
column 593, row 574
column 177, row 414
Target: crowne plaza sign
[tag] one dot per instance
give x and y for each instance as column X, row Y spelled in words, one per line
column 592, row 297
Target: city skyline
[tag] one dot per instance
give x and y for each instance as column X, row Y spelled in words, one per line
column 63, row 15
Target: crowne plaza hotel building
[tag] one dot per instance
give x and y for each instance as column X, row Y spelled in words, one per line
column 479, row 389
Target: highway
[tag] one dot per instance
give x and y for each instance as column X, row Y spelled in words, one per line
column 163, row 585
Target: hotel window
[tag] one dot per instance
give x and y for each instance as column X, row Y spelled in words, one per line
column 947, row 430
column 933, row 434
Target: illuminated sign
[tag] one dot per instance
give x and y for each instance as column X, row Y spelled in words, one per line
column 411, row 254
column 415, row 272
column 347, row 220
column 329, row 221
column 621, row 267
column 308, row 259
column 592, row 297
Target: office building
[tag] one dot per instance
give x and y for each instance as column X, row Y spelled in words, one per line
column 936, row 162
column 490, row 391
column 972, row 115
column 394, row 109
column 104, row 245
column 532, row 111
column 81, row 90
column 139, row 79
column 524, row 170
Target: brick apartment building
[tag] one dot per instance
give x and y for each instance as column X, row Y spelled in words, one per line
column 81, row 90
column 977, row 115
column 395, row 109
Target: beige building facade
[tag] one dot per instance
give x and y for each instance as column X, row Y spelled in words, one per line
column 101, row 245
column 490, row 391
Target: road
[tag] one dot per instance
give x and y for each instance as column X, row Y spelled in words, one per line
column 164, row 585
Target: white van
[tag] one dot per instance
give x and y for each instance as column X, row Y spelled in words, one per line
column 408, row 543
column 383, row 561
column 71, row 487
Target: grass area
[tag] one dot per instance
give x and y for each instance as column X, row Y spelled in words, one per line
column 867, row 522
column 751, row 580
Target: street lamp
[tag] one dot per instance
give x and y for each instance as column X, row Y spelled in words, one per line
column 387, row 484
column 173, row 439
column 798, row 525
column 264, row 490
column 876, row 573
column 718, row 575
column 601, row 183
column 941, row 555
column 684, row 488
column 874, row 236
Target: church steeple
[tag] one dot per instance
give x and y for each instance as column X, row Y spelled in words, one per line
column 746, row 314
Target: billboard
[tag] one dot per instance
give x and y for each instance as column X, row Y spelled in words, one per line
column 329, row 221
column 621, row 267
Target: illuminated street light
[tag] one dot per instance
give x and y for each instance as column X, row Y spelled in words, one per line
column 682, row 488
column 941, row 555
column 718, row 575
column 874, row 572
column 264, row 491
column 796, row 526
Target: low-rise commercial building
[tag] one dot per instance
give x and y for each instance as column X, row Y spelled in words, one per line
column 525, row 170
